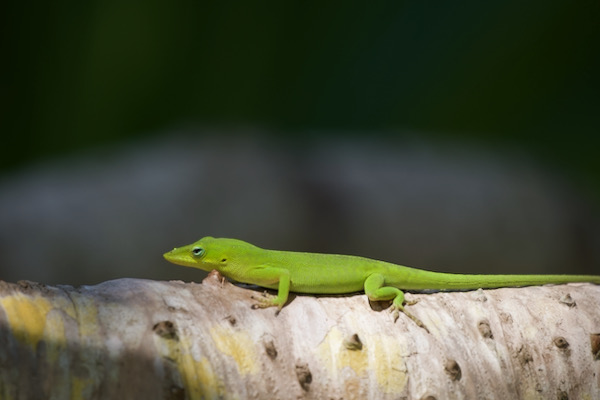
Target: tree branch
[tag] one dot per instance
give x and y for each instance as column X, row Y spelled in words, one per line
column 131, row 338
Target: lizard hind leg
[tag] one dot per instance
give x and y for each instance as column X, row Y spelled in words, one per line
column 376, row 291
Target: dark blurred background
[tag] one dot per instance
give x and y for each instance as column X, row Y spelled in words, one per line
column 458, row 137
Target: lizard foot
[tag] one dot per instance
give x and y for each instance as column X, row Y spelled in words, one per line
column 396, row 313
column 266, row 301
column 411, row 302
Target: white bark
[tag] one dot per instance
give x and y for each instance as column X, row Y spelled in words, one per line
column 154, row 340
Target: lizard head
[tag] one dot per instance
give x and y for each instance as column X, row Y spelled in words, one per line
column 208, row 253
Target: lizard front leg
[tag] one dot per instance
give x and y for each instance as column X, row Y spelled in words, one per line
column 376, row 291
column 267, row 276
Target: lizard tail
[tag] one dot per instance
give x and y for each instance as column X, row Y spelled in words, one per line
column 422, row 280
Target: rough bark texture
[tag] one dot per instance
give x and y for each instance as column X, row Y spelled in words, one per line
column 129, row 338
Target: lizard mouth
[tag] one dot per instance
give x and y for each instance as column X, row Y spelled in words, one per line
column 181, row 256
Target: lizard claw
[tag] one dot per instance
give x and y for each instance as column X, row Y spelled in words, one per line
column 395, row 314
column 411, row 302
column 416, row 320
column 265, row 301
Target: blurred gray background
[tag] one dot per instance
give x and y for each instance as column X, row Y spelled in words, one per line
column 455, row 138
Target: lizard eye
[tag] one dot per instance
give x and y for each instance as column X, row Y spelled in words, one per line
column 197, row 251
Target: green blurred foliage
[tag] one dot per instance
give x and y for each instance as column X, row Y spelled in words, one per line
column 79, row 74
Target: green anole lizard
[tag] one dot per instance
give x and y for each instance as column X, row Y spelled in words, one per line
column 333, row 274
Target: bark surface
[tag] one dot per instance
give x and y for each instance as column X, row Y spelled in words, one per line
column 132, row 338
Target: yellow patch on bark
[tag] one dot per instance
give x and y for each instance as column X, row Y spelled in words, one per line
column 238, row 345
column 381, row 356
column 27, row 317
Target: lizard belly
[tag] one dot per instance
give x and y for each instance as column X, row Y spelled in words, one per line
column 337, row 283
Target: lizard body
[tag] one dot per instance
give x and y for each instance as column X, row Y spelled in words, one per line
column 334, row 274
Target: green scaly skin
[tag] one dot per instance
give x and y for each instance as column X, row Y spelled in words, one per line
column 332, row 274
